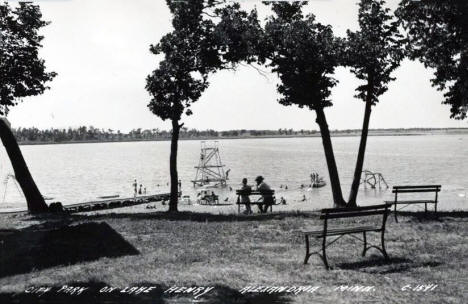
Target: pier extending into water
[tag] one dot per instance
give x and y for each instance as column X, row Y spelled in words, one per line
column 115, row 203
column 106, row 204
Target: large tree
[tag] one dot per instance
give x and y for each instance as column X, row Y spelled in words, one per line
column 207, row 36
column 22, row 74
column 304, row 53
column 373, row 53
column 437, row 33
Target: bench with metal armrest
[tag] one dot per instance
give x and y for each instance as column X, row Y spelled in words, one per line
column 351, row 229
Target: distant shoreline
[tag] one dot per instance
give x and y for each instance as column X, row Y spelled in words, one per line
column 353, row 133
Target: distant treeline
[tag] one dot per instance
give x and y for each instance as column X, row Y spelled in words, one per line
column 25, row 135
column 91, row 134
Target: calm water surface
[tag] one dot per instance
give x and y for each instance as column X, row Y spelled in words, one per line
column 73, row 173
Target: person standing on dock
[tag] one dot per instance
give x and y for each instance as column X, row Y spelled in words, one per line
column 140, row 191
column 135, row 188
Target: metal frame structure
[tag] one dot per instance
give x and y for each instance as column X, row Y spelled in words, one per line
column 372, row 179
column 210, row 167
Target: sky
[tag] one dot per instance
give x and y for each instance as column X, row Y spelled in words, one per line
column 100, row 50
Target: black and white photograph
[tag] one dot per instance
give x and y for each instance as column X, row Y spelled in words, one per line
column 233, row 151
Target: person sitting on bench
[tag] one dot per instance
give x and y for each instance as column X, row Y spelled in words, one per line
column 244, row 198
column 266, row 197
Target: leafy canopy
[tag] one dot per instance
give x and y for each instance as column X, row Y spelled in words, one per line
column 207, row 36
column 374, row 51
column 303, row 52
column 22, row 72
column 437, row 34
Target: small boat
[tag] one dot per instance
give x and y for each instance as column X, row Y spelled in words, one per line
column 48, row 198
column 317, row 181
column 319, row 184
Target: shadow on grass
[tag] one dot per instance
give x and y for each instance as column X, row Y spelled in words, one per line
column 406, row 267
column 200, row 217
column 44, row 246
column 431, row 215
column 372, row 262
column 210, row 217
column 393, row 265
column 157, row 295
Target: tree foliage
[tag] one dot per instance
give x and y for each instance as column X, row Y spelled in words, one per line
column 437, row 35
column 207, row 36
column 374, row 51
column 181, row 76
column 304, row 53
column 22, row 72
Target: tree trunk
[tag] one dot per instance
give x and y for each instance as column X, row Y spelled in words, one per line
column 360, row 158
column 330, row 157
column 34, row 199
column 173, row 167
column 362, row 146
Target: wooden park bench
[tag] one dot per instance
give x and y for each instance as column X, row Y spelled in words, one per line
column 350, row 228
column 258, row 202
column 414, row 189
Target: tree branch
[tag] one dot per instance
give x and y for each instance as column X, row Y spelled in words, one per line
column 260, row 71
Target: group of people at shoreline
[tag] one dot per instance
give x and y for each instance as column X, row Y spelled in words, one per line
column 138, row 191
column 266, row 200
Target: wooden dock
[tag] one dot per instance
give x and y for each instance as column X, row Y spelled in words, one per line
column 115, row 203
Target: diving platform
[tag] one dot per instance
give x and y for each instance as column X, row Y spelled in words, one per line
column 210, row 168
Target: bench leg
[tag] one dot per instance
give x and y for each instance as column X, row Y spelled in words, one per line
column 384, row 252
column 425, row 208
column 365, row 243
column 307, row 256
column 324, row 253
column 435, row 207
column 395, row 213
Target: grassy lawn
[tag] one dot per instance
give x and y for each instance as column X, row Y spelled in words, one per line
column 231, row 252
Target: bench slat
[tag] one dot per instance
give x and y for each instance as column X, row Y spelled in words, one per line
column 352, row 214
column 415, row 190
column 338, row 231
column 415, row 202
column 334, row 210
column 418, row 186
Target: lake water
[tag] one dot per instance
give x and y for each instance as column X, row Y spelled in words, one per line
column 73, row 173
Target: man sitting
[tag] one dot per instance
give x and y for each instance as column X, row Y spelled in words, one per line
column 267, row 197
column 244, row 198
